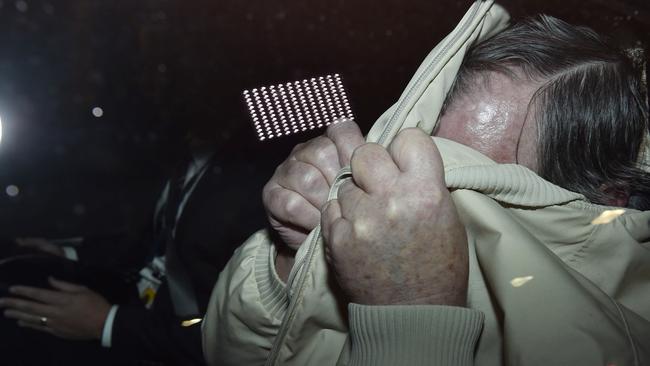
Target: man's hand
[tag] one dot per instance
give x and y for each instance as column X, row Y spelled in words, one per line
column 42, row 245
column 294, row 195
column 72, row 311
column 393, row 236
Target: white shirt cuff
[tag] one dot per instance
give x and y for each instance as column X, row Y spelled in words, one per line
column 107, row 332
column 70, row 253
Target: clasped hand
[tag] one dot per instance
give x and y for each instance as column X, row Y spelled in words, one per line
column 393, row 236
column 67, row 310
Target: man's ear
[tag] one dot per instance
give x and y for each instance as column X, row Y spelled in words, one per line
column 616, row 196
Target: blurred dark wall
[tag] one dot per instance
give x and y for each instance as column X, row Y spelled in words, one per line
column 159, row 67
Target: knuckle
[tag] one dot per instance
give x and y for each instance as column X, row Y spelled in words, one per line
column 275, row 201
column 394, row 210
column 291, row 169
column 280, row 171
column 296, row 149
column 312, row 145
column 362, row 230
column 267, row 191
column 293, row 206
column 310, row 180
column 326, row 154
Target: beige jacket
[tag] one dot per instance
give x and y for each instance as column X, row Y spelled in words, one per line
column 547, row 287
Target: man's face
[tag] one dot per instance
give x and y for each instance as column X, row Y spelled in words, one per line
column 494, row 119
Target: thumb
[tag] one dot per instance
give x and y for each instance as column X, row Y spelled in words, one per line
column 415, row 152
column 346, row 136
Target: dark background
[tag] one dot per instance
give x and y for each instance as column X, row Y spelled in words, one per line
column 155, row 67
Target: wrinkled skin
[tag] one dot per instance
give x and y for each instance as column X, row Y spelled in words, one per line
column 298, row 189
column 394, row 236
column 377, row 233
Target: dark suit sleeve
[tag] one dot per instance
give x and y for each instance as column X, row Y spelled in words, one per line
column 224, row 209
column 121, row 252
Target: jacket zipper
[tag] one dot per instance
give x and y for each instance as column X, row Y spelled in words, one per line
column 427, row 70
column 306, row 262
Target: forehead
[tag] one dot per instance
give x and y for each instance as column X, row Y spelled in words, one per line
column 490, row 116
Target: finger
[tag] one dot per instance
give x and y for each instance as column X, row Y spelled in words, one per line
column 335, row 229
column 21, row 315
column 66, row 286
column 29, row 242
column 289, row 207
column 351, row 198
column 38, row 327
column 372, row 167
column 331, row 212
column 347, row 137
column 322, row 154
column 304, row 179
column 42, row 295
column 414, row 151
column 26, row 306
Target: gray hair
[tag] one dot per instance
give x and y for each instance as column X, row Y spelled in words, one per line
column 590, row 112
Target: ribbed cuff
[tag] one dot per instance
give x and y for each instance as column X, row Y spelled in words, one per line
column 107, row 332
column 273, row 292
column 70, row 253
column 413, row 335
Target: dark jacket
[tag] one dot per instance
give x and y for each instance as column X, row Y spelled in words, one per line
column 214, row 221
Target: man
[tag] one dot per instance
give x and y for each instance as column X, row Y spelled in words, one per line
column 475, row 248
column 196, row 226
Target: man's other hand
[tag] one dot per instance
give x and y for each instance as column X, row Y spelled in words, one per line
column 394, row 236
column 296, row 192
column 42, row 245
column 68, row 311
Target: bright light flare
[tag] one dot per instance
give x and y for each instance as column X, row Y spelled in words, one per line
column 520, row 281
column 607, row 216
column 284, row 109
column 12, row 191
column 190, row 322
column 98, row 112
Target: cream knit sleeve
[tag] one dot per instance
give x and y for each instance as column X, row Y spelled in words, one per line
column 413, row 335
column 246, row 307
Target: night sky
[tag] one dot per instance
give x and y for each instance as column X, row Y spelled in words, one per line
column 96, row 95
